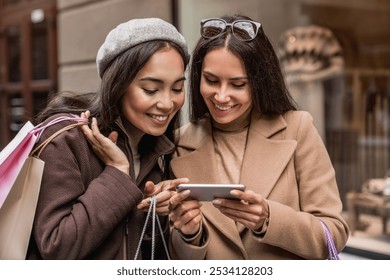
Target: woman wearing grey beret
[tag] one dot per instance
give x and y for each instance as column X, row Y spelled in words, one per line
column 98, row 180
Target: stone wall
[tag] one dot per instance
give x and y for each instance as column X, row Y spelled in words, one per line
column 83, row 26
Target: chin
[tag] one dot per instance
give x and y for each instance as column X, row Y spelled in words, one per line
column 156, row 132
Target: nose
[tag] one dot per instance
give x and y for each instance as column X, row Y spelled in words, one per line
column 222, row 94
column 165, row 102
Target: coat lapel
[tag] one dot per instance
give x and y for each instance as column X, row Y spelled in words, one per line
column 198, row 165
column 265, row 158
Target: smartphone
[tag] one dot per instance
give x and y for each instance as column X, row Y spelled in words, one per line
column 208, row 192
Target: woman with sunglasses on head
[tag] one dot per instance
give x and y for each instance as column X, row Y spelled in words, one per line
column 245, row 129
column 98, row 180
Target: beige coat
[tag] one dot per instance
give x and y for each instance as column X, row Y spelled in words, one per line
column 286, row 162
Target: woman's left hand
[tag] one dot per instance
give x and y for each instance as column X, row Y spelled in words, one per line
column 251, row 209
column 105, row 147
column 163, row 191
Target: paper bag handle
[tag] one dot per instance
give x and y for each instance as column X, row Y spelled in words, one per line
column 38, row 150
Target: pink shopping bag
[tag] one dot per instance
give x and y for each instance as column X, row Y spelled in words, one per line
column 13, row 156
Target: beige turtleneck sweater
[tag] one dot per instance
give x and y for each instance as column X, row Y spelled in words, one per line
column 229, row 144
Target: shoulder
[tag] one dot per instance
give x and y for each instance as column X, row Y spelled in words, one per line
column 193, row 134
column 277, row 125
column 297, row 117
column 298, row 120
column 300, row 126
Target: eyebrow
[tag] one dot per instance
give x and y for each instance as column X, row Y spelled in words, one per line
column 155, row 80
column 232, row 79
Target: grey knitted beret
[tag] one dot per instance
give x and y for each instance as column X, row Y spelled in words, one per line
column 134, row 32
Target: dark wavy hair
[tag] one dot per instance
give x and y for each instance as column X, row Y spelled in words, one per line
column 269, row 91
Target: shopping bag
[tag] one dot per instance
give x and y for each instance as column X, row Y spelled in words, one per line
column 18, row 210
column 152, row 212
column 12, row 158
column 332, row 251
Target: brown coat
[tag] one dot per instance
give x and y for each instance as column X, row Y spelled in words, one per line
column 286, row 162
column 87, row 210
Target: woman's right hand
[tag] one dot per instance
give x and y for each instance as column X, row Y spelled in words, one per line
column 105, row 147
column 185, row 214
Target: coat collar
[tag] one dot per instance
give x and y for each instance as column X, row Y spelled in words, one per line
column 265, row 158
column 151, row 148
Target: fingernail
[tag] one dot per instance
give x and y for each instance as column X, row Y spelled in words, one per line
column 186, row 192
column 216, row 202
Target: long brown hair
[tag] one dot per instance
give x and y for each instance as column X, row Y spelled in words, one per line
column 269, row 91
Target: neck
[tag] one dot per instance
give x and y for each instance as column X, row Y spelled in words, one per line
column 134, row 134
column 238, row 124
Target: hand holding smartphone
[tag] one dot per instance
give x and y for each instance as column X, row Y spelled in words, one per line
column 209, row 192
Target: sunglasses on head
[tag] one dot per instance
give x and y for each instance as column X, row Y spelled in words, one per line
column 244, row 30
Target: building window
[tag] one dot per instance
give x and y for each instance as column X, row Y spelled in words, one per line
column 28, row 62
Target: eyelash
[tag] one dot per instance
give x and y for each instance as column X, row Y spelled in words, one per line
column 239, row 86
column 212, row 82
column 153, row 91
column 179, row 90
column 150, row 91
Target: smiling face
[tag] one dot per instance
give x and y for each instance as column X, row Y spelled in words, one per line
column 224, row 86
column 156, row 93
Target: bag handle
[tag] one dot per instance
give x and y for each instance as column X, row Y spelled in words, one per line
column 43, row 145
column 40, row 128
column 152, row 211
column 333, row 255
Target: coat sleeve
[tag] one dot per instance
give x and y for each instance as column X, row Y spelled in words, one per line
column 300, row 232
column 194, row 248
column 81, row 201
